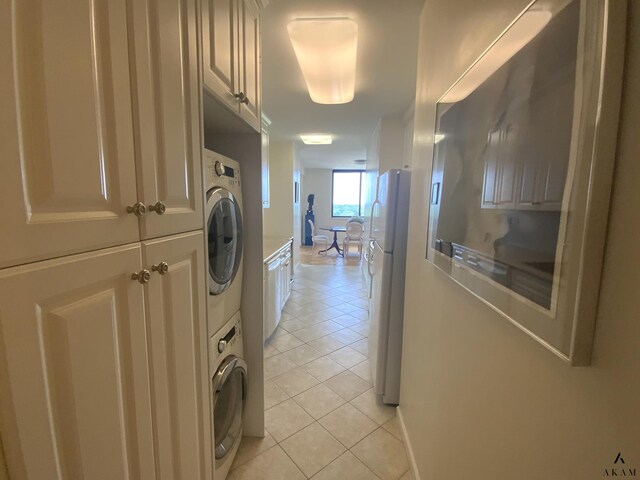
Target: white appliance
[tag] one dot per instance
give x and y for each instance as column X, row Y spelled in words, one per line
column 228, row 373
column 386, row 266
column 223, row 220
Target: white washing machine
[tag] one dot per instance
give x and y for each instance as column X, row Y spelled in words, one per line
column 223, row 220
column 229, row 393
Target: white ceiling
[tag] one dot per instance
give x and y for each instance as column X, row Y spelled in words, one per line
column 385, row 76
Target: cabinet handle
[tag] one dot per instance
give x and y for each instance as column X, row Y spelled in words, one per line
column 161, row 268
column 242, row 97
column 158, row 207
column 143, row 276
column 138, row 209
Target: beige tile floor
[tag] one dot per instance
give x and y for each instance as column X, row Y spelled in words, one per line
column 322, row 418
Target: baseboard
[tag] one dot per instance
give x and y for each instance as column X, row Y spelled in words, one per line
column 408, row 447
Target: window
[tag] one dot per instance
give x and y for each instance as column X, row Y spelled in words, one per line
column 346, row 198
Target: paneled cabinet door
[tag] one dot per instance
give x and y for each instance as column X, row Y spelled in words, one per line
column 74, row 388
column 67, row 172
column 250, row 62
column 219, row 49
column 176, row 310
column 167, row 120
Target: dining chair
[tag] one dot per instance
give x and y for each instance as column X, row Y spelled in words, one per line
column 317, row 239
column 353, row 234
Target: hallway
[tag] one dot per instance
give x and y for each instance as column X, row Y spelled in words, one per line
column 322, row 419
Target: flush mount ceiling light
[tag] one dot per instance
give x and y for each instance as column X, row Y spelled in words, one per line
column 326, row 50
column 316, row 139
column 524, row 29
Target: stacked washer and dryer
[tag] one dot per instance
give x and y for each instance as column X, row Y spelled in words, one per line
column 228, row 370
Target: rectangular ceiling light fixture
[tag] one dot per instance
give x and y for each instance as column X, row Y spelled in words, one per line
column 326, row 49
column 316, row 139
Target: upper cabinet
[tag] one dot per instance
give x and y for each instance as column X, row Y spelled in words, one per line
column 72, row 141
column 231, row 55
column 250, row 72
column 528, row 172
column 67, row 172
column 167, row 116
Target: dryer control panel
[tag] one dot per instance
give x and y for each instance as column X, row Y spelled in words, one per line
column 227, row 172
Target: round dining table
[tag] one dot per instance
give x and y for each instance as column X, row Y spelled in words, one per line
column 336, row 229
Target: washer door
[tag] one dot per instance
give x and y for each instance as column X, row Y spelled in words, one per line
column 224, row 234
column 229, row 397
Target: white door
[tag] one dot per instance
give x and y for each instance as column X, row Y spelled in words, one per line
column 75, row 385
column 67, row 172
column 380, row 271
column 166, row 101
column 249, row 50
column 219, row 49
column 175, row 300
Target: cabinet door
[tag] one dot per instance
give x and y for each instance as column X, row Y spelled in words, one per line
column 272, row 297
column 250, row 109
column 176, row 317
column 67, row 172
column 165, row 68
column 74, row 388
column 219, row 49
column 265, row 168
column 507, row 169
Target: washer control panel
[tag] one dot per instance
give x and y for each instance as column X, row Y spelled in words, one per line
column 233, row 335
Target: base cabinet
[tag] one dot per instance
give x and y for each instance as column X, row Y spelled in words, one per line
column 278, row 277
column 102, row 376
column 175, row 306
column 75, row 386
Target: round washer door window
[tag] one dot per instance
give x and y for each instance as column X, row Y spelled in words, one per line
column 230, row 392
column 224, row 234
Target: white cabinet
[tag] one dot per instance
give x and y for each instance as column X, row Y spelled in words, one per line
column 529, row 173
column 76, row 152
column 75, row 384
column 231, row 55
column 272, row 295
column 220, row 49
column 105, row 376
column 250, row 61
column 176, row 319
column 278, row 277
column 67, row 172
column 285, row 276
column 167, row 114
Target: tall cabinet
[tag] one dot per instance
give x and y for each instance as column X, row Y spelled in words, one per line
column 103, row 370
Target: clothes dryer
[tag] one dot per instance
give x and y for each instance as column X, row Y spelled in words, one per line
column 224, row 228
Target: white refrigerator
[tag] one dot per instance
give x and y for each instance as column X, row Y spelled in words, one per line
column 386, row 266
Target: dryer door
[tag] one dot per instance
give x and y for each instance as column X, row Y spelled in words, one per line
column 229, row 397
column 224, row 235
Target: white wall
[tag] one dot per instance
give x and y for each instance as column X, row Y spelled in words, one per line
column 480, row 399
column 278, row 218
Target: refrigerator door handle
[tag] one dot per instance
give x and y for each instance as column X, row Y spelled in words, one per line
column 373, row 206
column 370, row 258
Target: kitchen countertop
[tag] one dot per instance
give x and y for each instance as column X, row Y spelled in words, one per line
column 271, row 245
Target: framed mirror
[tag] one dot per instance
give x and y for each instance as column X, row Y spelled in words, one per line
column 523, row 159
